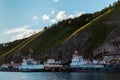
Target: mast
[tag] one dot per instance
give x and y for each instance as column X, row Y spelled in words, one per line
column 3, row 59
column 102, row 51
column 30, row 52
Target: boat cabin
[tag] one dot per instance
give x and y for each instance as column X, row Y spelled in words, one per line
column 111, row 56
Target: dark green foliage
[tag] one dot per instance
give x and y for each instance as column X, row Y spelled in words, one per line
column 45, row 28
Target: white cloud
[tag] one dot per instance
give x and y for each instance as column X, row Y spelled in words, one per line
column 21, row 32
column 52, row 12
column 77, row 14
column 61, row 15
column 55, row 0
column 45, row 17
column 17, row 30
column 53, row 21
column 35, row 17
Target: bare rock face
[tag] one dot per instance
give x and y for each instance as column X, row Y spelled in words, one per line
column 112, row 42
column 64, row 52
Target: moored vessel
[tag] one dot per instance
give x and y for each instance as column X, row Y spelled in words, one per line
column 27, row 65
column 30, row 65
column 79, row 64
column 53, row 65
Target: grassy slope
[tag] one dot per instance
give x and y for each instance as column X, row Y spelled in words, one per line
column 51, row 38
column 100, row 30
column 9, row 46
column 42, row 41
column 19, row 46
column 54, row 36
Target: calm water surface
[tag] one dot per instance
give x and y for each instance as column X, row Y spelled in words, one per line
column 58, row 76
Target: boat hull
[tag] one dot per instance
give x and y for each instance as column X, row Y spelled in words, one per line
column 21, row 70
column 89, row 69
column 31, row 70
column 68, row 69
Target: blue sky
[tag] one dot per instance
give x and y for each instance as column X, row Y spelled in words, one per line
column 21, row 18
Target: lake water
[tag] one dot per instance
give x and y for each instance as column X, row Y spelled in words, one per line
column 58, row 76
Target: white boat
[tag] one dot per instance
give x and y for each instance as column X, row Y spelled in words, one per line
column 27, row 65
column 31, row 65
column 78, row 62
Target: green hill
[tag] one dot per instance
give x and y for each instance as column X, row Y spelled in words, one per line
column 49, row 38
column 60, row 40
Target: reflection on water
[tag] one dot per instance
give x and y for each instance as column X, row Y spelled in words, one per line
column 58, row 76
